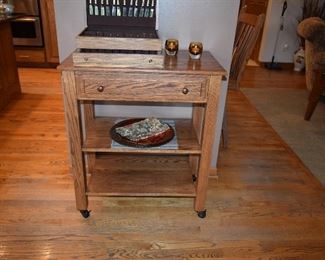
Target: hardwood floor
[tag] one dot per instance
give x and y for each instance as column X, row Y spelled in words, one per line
column 265, row 204
column 259, row 77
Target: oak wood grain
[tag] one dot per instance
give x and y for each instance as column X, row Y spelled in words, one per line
column 49, row 30
column 180, row 64
column 73, row 123
column 118, row 43
column 264, row 204
column 141, row 87
column 99, row 139
column 208, row 133
column 89, row 117
column 117, row 60
column 130, row 85
column 259, row 77
column 140, row 176
column 27, row 55
column 248, row 30
column 9, row 81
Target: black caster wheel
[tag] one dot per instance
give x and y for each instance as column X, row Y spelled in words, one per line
column 202, row 214
column 194, row 178
column 85, row 213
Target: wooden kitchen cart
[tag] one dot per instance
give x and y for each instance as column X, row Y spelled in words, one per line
column 100, row 170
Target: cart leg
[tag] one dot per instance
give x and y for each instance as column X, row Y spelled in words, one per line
column 73, row 123
column 202, row 214
column 207, row 136
column 85, row 213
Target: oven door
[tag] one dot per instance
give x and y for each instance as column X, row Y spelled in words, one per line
column 26, row 31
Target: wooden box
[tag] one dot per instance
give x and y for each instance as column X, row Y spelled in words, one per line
column 120, row 33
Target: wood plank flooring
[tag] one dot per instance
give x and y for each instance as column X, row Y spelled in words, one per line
column 259, row 77
column 264, row 204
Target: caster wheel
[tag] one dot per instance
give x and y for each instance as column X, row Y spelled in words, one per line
column 194, row 178
column 85, row 213
column 202, row 214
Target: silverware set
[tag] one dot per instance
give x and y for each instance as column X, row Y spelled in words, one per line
column 126, row 8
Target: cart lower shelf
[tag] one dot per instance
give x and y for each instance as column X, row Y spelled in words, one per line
column 141, row 176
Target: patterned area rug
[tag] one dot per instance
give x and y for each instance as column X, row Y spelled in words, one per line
column 284, row 110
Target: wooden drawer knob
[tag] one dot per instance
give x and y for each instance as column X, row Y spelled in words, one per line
column 185, row 91
column 100, row 89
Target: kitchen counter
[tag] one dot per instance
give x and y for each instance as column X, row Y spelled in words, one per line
column 9, row 80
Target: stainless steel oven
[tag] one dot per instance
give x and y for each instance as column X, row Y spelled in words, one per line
column 27, row 29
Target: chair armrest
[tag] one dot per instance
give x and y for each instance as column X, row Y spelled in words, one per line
column 313, row 30
column 319, row 61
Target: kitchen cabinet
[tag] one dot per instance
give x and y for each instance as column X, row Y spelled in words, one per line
column 9, row 81
column 100, row 169
column 49, row 31
column 30, row 55
column 48, row 54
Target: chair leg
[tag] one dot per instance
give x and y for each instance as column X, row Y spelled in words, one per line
column 312, row 103
column 225, row 130
column 315, row 94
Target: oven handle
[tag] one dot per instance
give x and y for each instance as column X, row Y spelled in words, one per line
column 26, row 19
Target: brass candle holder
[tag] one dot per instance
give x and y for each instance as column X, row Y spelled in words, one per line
column 171, row 47
column 195, row 50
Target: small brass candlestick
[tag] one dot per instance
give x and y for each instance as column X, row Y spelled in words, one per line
column 195, row 50
column 171, row 47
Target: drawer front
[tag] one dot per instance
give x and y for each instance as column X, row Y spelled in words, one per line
column 136, row 87
column 118, row 60
column 30, row 56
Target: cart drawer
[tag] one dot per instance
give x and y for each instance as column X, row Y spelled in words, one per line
column 118, row 60
column 131, row 87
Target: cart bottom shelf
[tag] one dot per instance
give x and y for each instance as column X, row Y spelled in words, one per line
column 141, row 176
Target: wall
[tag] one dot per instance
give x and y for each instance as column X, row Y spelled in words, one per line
column 288, row 41
column 70, row 21
column 211, row 21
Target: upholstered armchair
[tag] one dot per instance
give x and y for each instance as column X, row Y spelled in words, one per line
column 313, row 31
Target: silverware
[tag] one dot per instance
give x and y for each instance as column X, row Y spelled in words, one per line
column 124, row 8
column 135, row 13
column 91, row 8
column 141, row 13
column 102, row 8
column 118, row 9
column 114, row 8
column 131, row 9
column 96, row 8
column 147, row 10
column 108, row 10
column 152, row 10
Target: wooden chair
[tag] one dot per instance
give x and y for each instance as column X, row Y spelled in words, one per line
column 316, row 92
column 248, row 29
column 313, row 31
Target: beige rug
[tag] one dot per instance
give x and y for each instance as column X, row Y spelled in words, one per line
column 284, row 109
